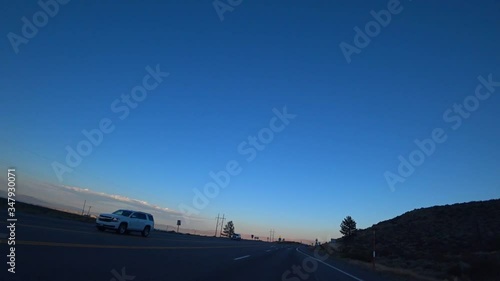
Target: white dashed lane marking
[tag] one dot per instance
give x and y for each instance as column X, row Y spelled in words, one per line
column 243, row 257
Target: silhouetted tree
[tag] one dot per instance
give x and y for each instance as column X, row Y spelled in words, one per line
column 252, row 236
column 228, row 229
column 348, row 227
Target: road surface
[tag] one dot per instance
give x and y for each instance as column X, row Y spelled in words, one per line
column 62, row 250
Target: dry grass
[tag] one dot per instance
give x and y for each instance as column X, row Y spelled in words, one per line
column 400, row 272
column 406, row 274
column 33, row 209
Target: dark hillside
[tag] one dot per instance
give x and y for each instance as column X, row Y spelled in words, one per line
column 459, row 240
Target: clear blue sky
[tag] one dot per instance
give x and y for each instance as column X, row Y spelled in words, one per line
column 353, row 119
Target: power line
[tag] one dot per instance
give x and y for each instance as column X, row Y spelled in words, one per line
column 217, row 225
column 271, row 235
column 83, row 209
column 222, row 223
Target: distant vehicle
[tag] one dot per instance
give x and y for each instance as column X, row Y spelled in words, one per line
column 236, row 236
column 124, row 221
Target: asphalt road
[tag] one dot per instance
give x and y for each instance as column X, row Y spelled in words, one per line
column 62, row 250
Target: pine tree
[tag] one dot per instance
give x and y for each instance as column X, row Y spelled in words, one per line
column 348, row 227
column 228, row 229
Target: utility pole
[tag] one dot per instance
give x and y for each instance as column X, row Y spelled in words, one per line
column 373, row 261
column 88, row 213
column 221, row 225
column 83, row 209
column 217, row 225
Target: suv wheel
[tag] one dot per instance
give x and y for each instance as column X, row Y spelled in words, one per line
column 146, row 231
column 122, row 229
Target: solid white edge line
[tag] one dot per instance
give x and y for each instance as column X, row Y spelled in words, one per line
column 331, row 266
column 243, row 257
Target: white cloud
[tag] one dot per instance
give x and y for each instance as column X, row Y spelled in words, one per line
column 72, row 198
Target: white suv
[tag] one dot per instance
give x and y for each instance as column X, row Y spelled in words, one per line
column 124, row 221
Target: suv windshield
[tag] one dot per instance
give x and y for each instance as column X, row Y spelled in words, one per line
column 122, row 213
